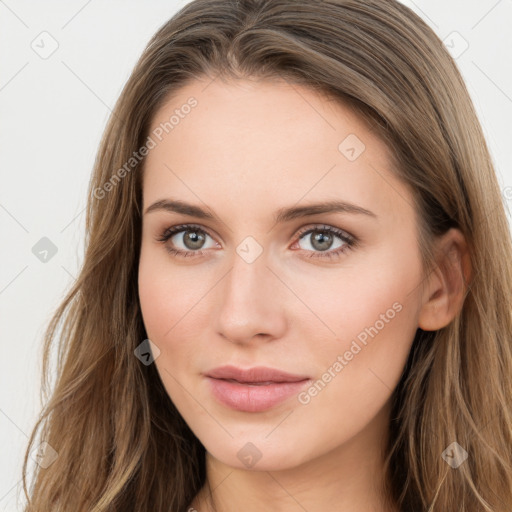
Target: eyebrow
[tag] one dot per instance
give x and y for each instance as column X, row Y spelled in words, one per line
column 281, row 215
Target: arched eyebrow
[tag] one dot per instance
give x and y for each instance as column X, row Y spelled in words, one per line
column 282, row 215
column 287, row 214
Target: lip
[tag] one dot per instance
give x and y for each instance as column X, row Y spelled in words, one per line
column 254, row 389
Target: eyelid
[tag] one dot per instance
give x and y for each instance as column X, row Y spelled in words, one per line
column 326, row 227
column 179, row 228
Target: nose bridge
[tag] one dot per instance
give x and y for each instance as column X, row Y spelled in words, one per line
column 249, row 302
column 247, row 283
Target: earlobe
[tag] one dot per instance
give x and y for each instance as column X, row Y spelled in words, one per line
column 447, row 284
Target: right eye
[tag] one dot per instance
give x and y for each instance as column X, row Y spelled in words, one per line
column 191, row 238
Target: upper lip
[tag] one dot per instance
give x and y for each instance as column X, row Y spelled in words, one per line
column 255, row 374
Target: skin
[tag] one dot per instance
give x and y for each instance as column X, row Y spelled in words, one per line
column 246, row 150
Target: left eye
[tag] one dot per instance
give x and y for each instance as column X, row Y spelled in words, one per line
column 323, row 239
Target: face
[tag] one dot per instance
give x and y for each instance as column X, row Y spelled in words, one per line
column 264, row 279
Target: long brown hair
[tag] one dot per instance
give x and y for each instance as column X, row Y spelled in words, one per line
column 120, row 443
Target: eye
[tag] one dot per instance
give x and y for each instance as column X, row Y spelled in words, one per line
column 187, row 240
column 323, row 243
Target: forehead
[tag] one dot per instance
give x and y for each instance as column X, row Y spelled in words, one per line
column 249, row 140
column 270, row 112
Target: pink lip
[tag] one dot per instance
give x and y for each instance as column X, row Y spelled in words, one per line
column 255, row 389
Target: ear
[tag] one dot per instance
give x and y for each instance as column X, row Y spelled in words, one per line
column 447, row 284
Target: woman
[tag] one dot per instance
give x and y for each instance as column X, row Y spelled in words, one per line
column 296, row 292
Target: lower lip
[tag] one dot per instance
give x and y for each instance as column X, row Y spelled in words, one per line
column 253, row 397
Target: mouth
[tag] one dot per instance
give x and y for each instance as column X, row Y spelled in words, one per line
column 255, row 375
column 255, row 389
column 266, row 383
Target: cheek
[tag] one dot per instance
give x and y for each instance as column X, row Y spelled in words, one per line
column 349, row 300
column 359, row 370
column 164, row 308
column 372, row 313
column 156, row 301
column 166, row 294
column 174, row 305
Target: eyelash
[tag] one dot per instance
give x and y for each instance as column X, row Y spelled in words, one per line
column 349, row 241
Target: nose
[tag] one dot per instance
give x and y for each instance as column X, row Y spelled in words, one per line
column 251, row 302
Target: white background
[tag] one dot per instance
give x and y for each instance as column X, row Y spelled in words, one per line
column 52, row 114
